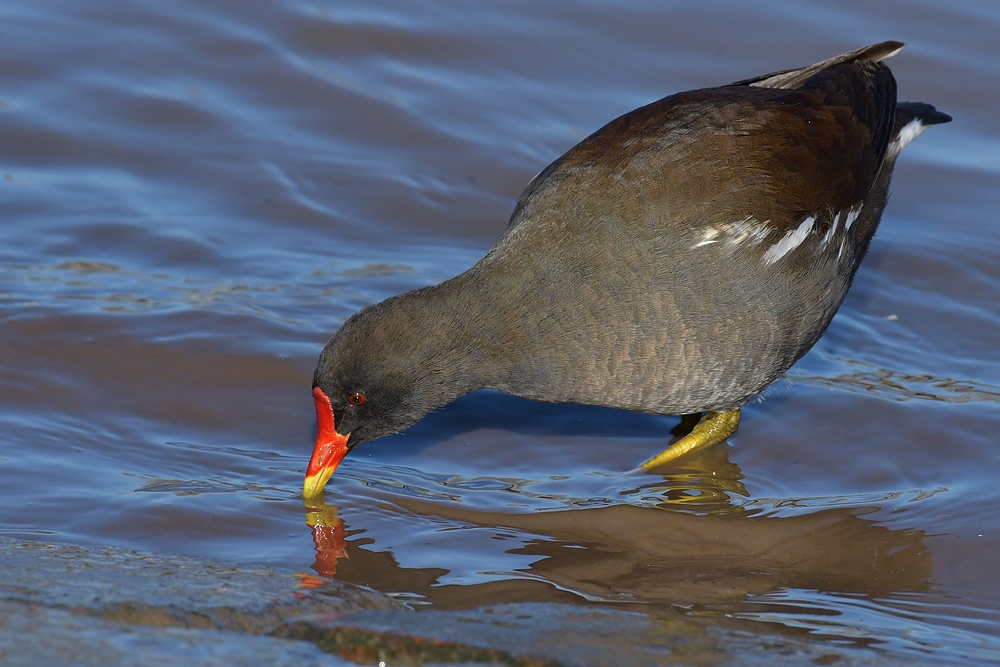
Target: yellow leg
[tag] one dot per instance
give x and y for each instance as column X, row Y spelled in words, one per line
column 711, row 429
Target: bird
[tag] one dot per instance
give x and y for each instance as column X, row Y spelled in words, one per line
column 677, row 261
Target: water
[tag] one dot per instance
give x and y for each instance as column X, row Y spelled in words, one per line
column 196, row 195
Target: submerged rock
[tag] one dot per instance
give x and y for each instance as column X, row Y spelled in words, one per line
column 33, row 635
column 546, row 634
column 166, row 590
column 64, row 604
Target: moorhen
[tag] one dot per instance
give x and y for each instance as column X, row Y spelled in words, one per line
column 677, row 261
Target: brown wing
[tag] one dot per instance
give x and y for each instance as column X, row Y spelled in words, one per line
column 793, row 78
column 729, row 152
column 830, row 137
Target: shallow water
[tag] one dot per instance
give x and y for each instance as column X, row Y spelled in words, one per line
column 196, row 195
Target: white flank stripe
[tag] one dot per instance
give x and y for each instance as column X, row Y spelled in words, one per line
column 790, row 242
column 833, row 230
column 748, row 231
column 852, row 215
column 708, row 237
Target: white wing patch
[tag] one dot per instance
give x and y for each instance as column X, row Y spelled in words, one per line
column 908, row 133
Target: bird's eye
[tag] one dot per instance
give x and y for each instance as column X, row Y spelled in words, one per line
column 357, row 398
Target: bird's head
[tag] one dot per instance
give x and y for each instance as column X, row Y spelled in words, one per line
column 380, row 373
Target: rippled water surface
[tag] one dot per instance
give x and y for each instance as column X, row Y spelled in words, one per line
column 195, row 195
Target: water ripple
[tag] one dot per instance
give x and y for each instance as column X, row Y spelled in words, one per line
column 687, row 492
column 90, row 286
column 194, row 487
column 857, row 619
column 866, row 378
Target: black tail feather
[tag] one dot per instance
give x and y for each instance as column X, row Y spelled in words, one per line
column 928, row 115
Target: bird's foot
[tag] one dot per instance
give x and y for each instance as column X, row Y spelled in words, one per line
column 711, row 429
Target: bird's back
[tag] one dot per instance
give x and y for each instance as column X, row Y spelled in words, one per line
column 685, row 255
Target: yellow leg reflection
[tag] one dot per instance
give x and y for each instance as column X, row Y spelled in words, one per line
column 708, row 484
column 329, row 538
column 713, row 428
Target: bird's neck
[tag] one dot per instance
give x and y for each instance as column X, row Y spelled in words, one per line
column 458, row 343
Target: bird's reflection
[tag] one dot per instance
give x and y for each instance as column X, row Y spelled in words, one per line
column 650, row 549
column 329, row 539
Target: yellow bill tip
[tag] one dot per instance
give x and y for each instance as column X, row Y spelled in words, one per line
column 314, row 484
